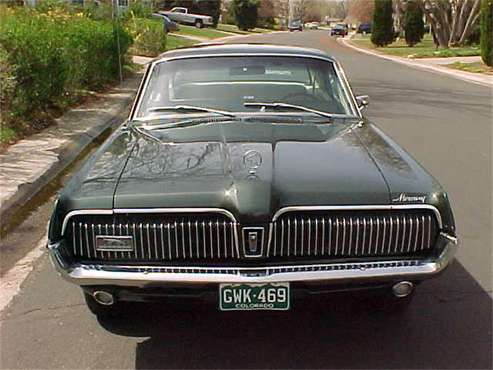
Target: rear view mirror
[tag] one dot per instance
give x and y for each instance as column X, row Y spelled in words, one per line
column 363, row 101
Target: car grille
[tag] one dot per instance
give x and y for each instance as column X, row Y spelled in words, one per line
column 353, row 233
column 156, row 237
column 293, row 237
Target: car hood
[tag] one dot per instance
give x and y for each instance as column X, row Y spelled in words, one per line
column 218, row 165
column 251, row 169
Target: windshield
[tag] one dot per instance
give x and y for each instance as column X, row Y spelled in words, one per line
column 228, row 83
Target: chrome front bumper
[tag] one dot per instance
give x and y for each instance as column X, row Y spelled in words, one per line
column 151, row 276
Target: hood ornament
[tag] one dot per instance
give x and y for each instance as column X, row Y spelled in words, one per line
column 252, row 160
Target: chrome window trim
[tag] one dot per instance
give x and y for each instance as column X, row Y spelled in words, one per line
column 358, row 208
column 348, row 89
column 339, row 72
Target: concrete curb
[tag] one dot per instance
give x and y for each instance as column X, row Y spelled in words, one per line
column 237, row 36
column 73, row 146
column 464, row 76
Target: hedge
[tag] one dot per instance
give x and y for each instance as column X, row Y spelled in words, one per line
column 487, row 32
column 148, row 35
column 51, row 56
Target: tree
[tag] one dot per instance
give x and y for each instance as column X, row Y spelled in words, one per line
column 299, row 8
column 487, row 32
column 399, row 10
column 334, row 9
column 383, row 30
column 246, row 13
column 414, row 26
column 360, row 10
column 452, row 21
column 266, row 14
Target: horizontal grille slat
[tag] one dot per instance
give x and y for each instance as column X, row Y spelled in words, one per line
column 351, row 234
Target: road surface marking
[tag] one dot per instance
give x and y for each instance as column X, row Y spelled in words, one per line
column 11, row 282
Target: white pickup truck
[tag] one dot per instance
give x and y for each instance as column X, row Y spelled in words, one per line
column 181, row 15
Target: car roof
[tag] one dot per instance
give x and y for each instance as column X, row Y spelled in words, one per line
column 242, row 49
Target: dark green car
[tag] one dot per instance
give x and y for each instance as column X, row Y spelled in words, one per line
column 247, row 173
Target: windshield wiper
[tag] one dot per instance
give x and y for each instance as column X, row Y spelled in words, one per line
column 188, row 108
column 276, row 105
column 185, row 123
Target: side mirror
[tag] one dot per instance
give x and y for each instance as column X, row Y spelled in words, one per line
column 363, row 101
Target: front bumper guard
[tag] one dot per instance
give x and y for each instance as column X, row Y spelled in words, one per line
column 152, row 276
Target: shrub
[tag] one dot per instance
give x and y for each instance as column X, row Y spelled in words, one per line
column 229, row 16
column 414, row 26
column 101, row 11
column 383, row 30
column 7, row 85
column 140, row 9
column 208, row 7
column 246, row 13
column 487, row 32
column 148, row 35
column 54, row 54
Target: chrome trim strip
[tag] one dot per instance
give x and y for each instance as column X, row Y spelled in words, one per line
column 143, row 276
column 143, row 210
column 359, row 208
column 450, row 238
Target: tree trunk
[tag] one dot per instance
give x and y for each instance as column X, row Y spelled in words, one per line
column 471, row 21
column 457, row 8
column 452, row 20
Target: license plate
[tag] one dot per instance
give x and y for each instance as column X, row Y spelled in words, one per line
column 273, row 296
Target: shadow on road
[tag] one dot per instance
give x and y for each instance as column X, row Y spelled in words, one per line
column 443, row 328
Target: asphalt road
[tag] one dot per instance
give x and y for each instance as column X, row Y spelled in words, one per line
column 447, row 125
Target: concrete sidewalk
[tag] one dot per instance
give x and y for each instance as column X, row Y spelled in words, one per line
column 32, row 163
column 437, row 65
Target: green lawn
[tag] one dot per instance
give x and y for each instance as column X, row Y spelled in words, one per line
column 425, row 49
column 231, row 28
column 207, row 33
column 477, row 67
column 173, row 42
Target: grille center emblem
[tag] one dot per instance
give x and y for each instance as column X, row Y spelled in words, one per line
column 253, row 241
